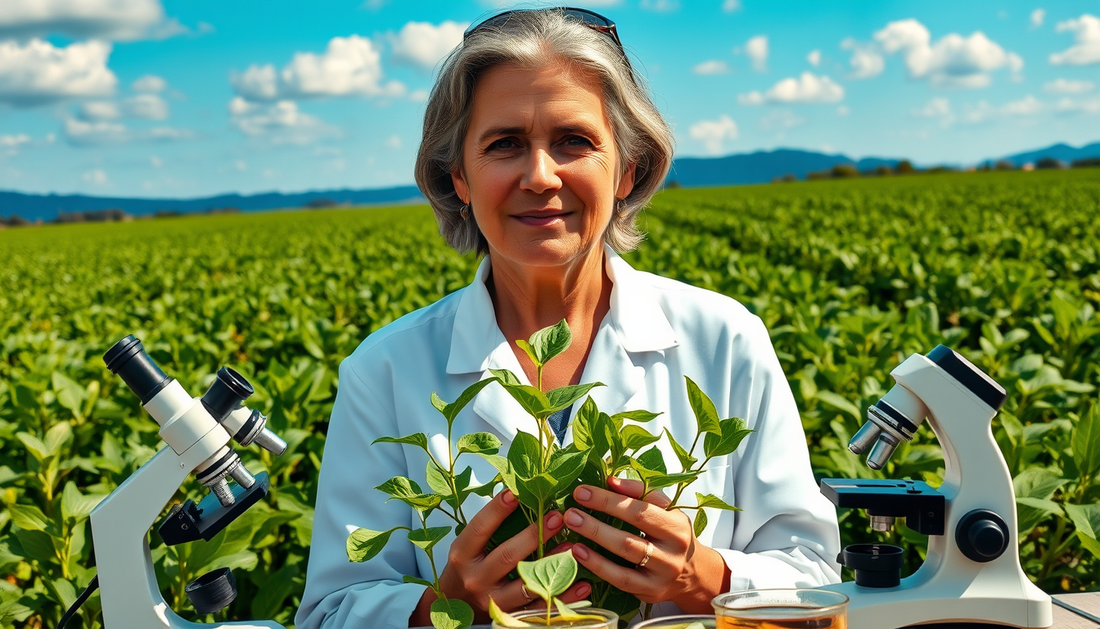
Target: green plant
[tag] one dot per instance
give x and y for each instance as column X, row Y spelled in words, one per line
column 542, row 475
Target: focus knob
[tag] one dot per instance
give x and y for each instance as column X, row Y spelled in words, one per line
column 982, row 535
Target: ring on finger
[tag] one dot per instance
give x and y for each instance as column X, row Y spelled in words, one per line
column 648, row 554
column 526, row 594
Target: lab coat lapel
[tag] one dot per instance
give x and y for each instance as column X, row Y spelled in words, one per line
column 477, row 345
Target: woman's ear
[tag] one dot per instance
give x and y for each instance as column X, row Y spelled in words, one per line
column 461, row 189
column 626, row 182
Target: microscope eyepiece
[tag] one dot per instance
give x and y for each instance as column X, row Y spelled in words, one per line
column 129, row 361
column 228, row 392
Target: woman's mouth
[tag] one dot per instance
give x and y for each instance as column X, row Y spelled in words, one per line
column 542, row 219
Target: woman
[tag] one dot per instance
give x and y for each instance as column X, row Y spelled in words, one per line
column 539, row 149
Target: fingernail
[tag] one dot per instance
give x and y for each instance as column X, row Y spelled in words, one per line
column 508, row 497
column 581, row 552
column 574, row 518
column 554, row 521
column 584, row 590
column 583, row 494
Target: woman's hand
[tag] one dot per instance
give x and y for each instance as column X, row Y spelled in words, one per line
column 670, row 563
column 474, row 576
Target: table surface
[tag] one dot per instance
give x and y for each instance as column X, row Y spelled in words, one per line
column 1077, row 616
column 1083, row 606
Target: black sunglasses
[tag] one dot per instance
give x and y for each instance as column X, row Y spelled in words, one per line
column 591, row 19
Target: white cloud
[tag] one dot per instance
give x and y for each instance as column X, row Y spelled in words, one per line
column 99, row 110
column 1067, row 86
column 978, row 113
column 13, row 141
column 953, row 61
column 711, row 66
column 936, row 108
column 731, row 6
column 424, row 44
column 40, row 73
column 86, row 19
column 96, row 177
column 104, row 132
column 240, row 165
column 814, row 58
column 1037, row 17
column 278, row 123
column 1086, row 32
column 713, row 133
column 394, row 142
column 843, row 110
column 1079, row 106
column 418, row 95
column 146, row 106
column 809, row 88
column 780, row 120
column 660, row 6
column 757, row 50
column 350, row 66
column 1027, row 106
column 866, row 61
column 149, row 83
column 156, row 162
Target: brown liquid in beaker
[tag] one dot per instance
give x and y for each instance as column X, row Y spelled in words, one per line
column 833, row 621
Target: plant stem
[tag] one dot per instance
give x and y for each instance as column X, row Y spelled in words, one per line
column 542, row 541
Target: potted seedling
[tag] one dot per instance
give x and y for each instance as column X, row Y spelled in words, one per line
column 542, row 475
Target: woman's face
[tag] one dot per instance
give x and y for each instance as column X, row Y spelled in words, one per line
column 539, row 165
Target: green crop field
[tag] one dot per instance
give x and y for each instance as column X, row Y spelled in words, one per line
column 850, row 277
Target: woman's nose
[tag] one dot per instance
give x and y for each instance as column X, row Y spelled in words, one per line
column 541, row 173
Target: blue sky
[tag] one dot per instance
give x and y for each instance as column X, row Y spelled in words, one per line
column 177, row 98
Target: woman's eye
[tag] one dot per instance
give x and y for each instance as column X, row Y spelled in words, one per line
column 576, row 140
column 503, row 144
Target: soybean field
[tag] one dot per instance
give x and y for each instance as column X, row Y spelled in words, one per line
column 850, row 276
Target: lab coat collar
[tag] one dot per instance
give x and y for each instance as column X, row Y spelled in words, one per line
column 636, row 323
column 636, row 314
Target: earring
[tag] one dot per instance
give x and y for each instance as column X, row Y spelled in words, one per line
column 465, row 212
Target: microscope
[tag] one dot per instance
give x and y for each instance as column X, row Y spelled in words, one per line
column 197, row 432
column 972, row 572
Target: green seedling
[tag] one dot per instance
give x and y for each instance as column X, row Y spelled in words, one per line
column 542, row 475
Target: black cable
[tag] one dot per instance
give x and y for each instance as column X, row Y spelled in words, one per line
column 92, row 587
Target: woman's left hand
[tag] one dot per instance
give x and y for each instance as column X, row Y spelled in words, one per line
column 670, row 563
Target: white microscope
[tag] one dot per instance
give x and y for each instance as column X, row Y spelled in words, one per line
column 197, row 432
column 972, row 572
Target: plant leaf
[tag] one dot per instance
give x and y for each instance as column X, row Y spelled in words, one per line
column 408, row 492
column 635, row 437
column 363, row 544
column 1086, row 442
column 451, row 411
column 417, row 439
column 57, row 436
column 506, row 377
column 686, row 460
column 710, row 501
column 733, row 432
column 640, row 416
column 28, row 517
column 550, row 341
column 530, row 351
column 706, row 416
column 479, row 443
column 700, row 523
column 451, row 613
column 566, row 466
column 531, row 399
column 653, row 460
column 525, row 455
column 75, row 506
column 429, row 537
column 563, row 397
column 503, row 618
column 550, row 576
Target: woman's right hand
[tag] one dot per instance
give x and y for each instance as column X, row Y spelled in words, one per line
column 474, row 576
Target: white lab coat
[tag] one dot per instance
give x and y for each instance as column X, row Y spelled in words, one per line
column 657, row 331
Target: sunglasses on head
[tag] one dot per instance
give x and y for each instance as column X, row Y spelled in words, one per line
column 591, row 19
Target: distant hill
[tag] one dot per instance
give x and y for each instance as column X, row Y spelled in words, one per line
column 691, row 172
column 1061, row 152
column 761, row 167
column 46, row 207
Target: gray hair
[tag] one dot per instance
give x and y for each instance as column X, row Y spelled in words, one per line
column 530, row 39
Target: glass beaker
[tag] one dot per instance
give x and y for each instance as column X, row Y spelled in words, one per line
column 782, row 609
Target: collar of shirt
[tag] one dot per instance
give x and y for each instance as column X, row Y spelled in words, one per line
column 635, row 324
